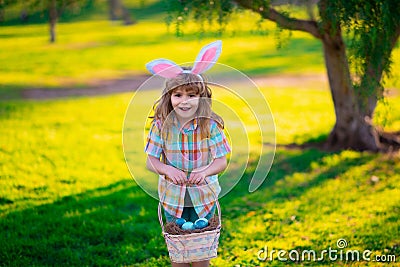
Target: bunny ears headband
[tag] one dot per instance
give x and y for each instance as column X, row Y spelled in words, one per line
column 205, row 60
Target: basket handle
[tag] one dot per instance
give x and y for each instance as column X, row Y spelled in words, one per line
column 161, row 219
column 160, row 216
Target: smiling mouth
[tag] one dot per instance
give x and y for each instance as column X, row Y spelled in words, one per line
column 184, row 108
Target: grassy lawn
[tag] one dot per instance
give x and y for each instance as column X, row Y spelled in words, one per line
column 83, row 53
column 120, row 51
column 67, row 197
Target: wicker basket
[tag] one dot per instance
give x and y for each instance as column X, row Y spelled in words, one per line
column 192, row 247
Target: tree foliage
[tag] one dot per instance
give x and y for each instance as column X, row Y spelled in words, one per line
column 202, row 11
column 51, row 8
column 358, row 38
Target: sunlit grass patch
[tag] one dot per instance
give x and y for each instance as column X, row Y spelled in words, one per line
column 332, row 196
column 83, row 53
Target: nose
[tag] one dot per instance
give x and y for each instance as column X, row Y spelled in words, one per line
column 185, row 99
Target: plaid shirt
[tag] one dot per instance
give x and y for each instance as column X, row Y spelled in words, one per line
column 186, row 150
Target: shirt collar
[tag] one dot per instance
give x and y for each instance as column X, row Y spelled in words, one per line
column 192, row 125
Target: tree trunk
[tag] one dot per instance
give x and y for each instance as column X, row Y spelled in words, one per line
column 52, row 20
column 351, row 130
column 116, row 10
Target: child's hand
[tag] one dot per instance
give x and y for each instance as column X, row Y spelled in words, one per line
column 177, row 176
column 197, row 177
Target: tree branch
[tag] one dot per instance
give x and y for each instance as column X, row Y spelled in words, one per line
column 285, row 22
column 373, row 75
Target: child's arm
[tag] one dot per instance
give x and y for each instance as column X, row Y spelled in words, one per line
column 198, row 176
column 155, row 165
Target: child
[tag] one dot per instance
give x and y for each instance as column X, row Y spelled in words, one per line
column 186, row 144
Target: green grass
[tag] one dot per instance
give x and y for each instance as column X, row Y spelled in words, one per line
column 67, row 197
column 82, row 53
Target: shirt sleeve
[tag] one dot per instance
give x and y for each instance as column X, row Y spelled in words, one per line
column 219, row 145
column 154, row 144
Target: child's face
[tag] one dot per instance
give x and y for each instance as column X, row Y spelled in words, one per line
column 185, row 104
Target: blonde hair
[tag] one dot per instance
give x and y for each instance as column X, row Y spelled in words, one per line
column 187, row 82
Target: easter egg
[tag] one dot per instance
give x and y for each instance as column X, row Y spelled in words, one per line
column 188, row 226
column 200, row 223
column 180, row 221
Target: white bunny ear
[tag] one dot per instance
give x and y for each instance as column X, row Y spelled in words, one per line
column 164, row 68
column 207, row 57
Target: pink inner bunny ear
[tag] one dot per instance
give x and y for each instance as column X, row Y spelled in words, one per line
column 207, row 57
column 164, row 68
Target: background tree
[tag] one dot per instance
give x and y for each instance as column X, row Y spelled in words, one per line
column 355, row 69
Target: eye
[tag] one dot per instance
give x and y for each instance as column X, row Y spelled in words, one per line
column 193, row 95
column 177, row 95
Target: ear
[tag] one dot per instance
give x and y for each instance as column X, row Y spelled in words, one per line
column 164, row 68
column 207, row 57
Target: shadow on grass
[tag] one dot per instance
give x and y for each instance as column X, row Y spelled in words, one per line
column 10, row 92
column 376, row 235
column 111, row 226
column 281, row 61
column 25, row 16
